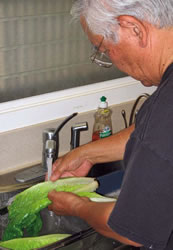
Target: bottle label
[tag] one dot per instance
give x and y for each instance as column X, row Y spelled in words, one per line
column 105, row 132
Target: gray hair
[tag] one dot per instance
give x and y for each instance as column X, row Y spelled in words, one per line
column 101, row 15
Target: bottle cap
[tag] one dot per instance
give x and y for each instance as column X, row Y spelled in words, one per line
column 103, row 104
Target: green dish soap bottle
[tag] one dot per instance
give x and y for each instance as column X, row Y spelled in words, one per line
column 103, row 124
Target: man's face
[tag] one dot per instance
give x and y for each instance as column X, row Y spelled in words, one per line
column 126, row 55
column 127, row 58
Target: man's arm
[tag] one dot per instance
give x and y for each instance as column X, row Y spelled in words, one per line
column 96, row 214
column 79, row 161
column 108, row 149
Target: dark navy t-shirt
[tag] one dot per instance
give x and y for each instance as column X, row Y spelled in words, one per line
column 144, row 210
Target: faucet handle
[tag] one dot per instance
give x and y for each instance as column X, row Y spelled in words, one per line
column 75, row 133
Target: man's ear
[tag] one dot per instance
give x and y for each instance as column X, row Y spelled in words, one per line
column 135, row 27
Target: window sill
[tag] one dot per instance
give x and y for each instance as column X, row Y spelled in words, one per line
column 33, row 110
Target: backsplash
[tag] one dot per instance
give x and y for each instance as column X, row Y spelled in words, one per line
column 23, row 147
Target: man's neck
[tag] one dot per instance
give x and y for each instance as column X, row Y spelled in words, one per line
column 160, row 52
column 165, row 41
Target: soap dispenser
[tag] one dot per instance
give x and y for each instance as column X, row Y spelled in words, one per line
column 103, row 124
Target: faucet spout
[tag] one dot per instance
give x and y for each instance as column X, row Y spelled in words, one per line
column 51, row 142
column 49, row 155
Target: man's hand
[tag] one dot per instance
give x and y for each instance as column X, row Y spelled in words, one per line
column 71, row 164
column 65, row 203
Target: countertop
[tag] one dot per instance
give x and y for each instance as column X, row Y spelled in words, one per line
column 8, row 182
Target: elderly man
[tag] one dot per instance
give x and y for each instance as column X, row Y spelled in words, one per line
column 137, row 36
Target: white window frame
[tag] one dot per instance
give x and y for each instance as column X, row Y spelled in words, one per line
column 47, row 107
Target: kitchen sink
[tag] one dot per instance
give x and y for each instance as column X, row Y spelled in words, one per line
column 83, row 237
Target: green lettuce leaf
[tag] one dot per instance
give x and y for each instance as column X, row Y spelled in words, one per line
column 24, row 212
column 32, row 242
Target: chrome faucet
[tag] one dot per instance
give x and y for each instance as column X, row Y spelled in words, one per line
column 50, row 152
column 75, row 133
column 51, row 142
column 49, row 147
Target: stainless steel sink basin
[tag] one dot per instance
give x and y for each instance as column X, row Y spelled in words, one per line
column 61, row 224
column 83, row 237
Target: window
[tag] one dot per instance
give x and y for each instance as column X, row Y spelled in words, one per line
column 42, row 51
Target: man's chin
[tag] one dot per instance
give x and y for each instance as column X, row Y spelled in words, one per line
column 144, row 82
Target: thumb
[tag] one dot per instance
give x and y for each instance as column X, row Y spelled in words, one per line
column 55, row 175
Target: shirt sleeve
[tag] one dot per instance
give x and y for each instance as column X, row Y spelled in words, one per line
column 144, row 210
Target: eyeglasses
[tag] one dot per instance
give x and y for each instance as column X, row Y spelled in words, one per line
column 100, row 58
